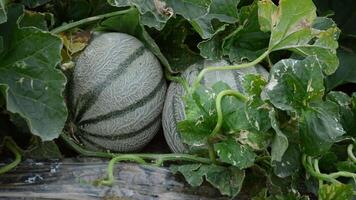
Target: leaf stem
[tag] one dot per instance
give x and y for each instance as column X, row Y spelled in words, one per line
column 212, row 154
column 350, row 153
column 87, row 20
column 232, row 67
column 145, row 156
column 11, row 145
column 110, row 180
column 218, row 100
column 308, row 165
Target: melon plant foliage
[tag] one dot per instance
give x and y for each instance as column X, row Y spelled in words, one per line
column 288, row 137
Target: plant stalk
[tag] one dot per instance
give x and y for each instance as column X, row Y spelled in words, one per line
column 145, row 156
column 232, row 67
column 234, row 93
column 88, row 20
column 11, row 145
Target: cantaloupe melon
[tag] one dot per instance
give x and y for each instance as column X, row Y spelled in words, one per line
column 117, row 94
column 173, row 110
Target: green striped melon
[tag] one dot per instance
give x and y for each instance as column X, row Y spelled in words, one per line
column 117, row 94
column 173, row 110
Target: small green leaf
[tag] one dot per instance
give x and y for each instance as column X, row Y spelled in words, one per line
column 320, row 127
column 190, row 173
column 232, row 152
column 335, row 192
column 280, row 142
column 33, row 85
column 295, row 83
column 256, row 140
column 254, row 84
column 212, row 48
column 220, row 10
column 228, row 180
column 267, row 15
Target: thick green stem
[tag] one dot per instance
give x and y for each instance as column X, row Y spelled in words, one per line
column 212, row 154
column 342, row 174
column 218, row 100
column 350, row 153
column 316, row 168
column 308, row 165
column 232, row 67
column 145, row 156
column 88, row 20
column 110, row 179
column 11, row 145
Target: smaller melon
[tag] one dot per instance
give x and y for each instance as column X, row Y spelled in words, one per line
column 117, row 94
column 173, row 110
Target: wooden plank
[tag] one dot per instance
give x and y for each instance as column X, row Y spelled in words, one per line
column 72, row 179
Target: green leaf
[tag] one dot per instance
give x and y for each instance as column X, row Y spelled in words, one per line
column 36, row 19
column 3, row 16
column 289, row 163
column 247, row 41
column 291, row 26
column 335, row 192
column 152, row 11
column 257, row 114
column 220, row 11
column 346, row 73
column 130, row 23
column 320, row 127
column 228, row 180
column 295, row 83
column 155, row 13
column 200, row 116
column 254, row 84
column 256, row 140
column 190, row 173
column 280, row 142
column 212, row 48
column 33, row 85
column 267, row 15
column 234, row 153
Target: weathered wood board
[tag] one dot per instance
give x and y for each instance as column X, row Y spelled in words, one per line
column 71, row 179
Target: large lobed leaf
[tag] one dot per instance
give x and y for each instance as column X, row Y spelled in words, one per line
column 155, row 13
column 29, row 81
column 220, row 10
column 292, row 28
